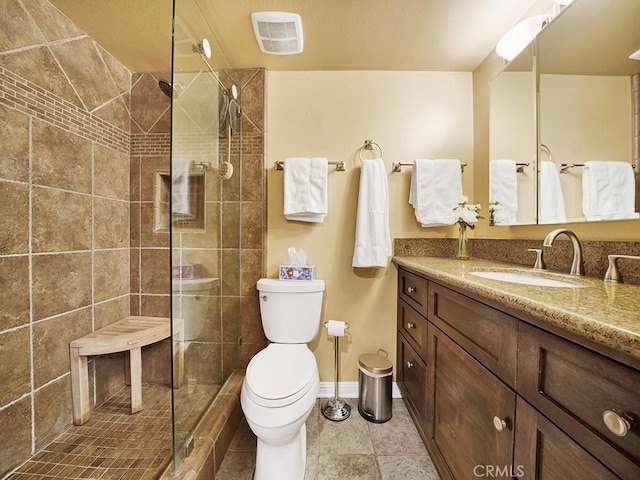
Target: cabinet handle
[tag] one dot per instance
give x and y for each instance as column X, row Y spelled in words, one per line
column 410, row 325
column 499, row 424
column 616, row 423
column 409, row 364
column 412, row 289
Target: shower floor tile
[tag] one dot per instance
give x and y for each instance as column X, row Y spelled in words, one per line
column 114, row 444
column 353, row 448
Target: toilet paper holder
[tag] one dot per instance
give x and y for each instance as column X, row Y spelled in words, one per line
column 335, row 408
column 346, row 325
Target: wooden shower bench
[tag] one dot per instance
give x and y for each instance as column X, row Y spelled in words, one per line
column 129, row 334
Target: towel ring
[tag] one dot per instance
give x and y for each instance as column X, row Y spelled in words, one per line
column 368, row 145
column 546, row 150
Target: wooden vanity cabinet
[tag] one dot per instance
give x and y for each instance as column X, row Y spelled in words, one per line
column 494, row 396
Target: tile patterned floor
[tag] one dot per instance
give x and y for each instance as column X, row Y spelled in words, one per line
column 351, row 449
column 114, row 444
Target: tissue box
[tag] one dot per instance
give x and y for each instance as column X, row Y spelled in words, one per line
column 184, row 271
column 297, row 272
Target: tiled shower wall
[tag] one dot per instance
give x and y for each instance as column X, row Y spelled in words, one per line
column 232, row 245
column 150, row 255
column 69, row 261
column 64, row 216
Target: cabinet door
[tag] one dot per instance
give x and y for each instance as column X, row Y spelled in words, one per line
column 543, row 451
column 412, row 380
column 470, row 424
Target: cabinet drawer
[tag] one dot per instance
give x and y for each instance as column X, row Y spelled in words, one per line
column 574, row 386
column 413, row 290
column 414, row 328
column 487, row 334
column 412, row 373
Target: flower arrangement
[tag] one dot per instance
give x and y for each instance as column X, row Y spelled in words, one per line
column 465, row 214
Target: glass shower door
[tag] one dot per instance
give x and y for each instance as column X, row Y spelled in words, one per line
column 204, row 221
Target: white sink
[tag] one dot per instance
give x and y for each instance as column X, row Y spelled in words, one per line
column 525, row 278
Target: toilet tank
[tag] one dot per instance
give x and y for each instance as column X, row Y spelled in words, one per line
column 290, row 310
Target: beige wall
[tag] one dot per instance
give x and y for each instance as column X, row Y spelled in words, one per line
column 330, row 114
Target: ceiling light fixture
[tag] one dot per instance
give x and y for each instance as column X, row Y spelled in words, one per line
column 635, row 55
column 518, row 37
column 278, row 33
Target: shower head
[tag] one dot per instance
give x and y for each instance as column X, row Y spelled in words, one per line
column 229, row 110
column 166, row 88
column 169, row 90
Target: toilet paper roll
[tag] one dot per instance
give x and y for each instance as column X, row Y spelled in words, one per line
column 335, row 328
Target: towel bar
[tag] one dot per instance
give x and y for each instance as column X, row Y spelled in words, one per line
column 397, row 167
column 564, row 167
column 340, row 166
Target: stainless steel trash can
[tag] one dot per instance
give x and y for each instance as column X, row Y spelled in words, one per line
column 374, row 387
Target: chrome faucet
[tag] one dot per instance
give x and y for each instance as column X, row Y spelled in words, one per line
column 577, row 266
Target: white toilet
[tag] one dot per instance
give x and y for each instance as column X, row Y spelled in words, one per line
column 282, row 382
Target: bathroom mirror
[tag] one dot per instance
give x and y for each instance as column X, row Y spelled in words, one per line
column 512, row 136
column 585, row 109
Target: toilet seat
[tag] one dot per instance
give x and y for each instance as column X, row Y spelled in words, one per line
column 281, row 374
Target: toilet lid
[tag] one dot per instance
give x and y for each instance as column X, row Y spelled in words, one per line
column 281, row 371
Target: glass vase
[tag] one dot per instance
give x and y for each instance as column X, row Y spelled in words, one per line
column 462, row 252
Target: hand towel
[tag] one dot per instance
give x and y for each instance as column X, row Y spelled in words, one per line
column 373, row 239
column 608, row 191
column 180, row 203
column 551, row 201
column 503, row 191
column 305, row 189
column 436, row 188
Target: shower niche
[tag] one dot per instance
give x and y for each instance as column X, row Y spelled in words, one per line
column 184, row 209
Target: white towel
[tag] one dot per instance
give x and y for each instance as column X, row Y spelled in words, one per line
column 180, row 188
column 503, row 191
column 551, row 201
column 305, row 189
column 373, row 239
column 436, row 188
column 608, row 191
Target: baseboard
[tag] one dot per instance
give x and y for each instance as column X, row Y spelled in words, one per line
column 349, row 390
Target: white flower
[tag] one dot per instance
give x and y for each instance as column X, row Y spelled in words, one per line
column 466, row 213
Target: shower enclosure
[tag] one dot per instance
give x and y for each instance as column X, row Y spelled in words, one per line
column 202, row 195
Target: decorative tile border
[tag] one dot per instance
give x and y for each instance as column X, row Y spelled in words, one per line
column 25, row 96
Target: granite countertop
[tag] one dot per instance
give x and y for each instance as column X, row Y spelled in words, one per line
column 603, row 312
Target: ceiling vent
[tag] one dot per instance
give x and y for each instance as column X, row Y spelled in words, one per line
column 278, row 33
